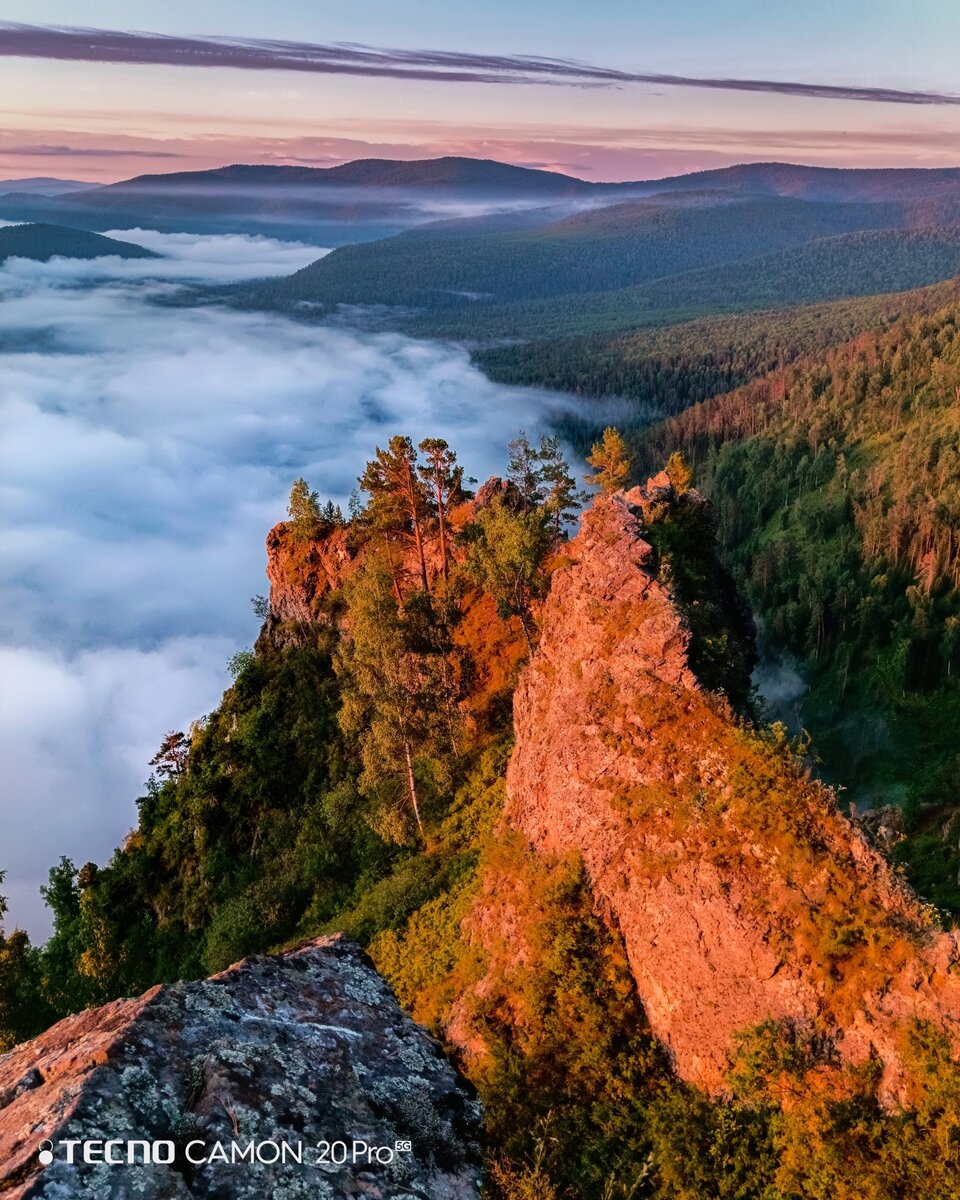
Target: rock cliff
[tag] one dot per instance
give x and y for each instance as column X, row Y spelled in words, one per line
column 303, row 572
column 741, row 893
column 292, row 1050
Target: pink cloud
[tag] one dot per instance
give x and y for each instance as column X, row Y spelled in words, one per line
column 594, row 153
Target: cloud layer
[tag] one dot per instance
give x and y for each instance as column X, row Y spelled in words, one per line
column 146, row 451
column 257, row 54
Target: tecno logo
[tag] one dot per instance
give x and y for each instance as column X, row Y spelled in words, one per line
column 116, row 1152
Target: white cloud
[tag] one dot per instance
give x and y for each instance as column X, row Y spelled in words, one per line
column 77, row 730
column 146, row 451
column 187, row 257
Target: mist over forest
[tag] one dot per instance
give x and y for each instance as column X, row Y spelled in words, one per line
column 149, row 448
column 548, row 588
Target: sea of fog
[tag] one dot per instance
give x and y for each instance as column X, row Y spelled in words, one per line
column 146, row 450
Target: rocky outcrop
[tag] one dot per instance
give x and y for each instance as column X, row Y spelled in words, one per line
column 741, row 893
column 304, row 571
column 299, row 1054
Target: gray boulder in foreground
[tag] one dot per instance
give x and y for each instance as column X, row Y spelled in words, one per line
column 303, row 1055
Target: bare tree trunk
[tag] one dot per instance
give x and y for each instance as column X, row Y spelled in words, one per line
column 412, row 785
column 526, row 633
column 417, row 531
column 442, row 516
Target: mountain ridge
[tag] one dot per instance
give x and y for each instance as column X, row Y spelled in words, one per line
column 778, row 178
column 388, row 195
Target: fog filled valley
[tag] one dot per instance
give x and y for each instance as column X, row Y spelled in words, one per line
column 600, row 678
column 148, row 449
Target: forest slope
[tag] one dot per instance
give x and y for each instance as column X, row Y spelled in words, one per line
column 355, row 778
column 670, row 368
column 837, row 484
column 603, row 250
column 43, row 242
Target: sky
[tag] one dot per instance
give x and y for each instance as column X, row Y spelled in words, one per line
column 657, row 89
column 146, row 451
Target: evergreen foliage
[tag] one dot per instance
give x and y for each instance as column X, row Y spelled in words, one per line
column 349, row 781
column 400, row 503
column 506, row 556
column 398, row 697
column 611, row 461
column 653, row 261
column 837, row 487
column 304, row 511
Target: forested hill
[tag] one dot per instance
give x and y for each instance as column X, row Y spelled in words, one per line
column 43, row 242
column 451, row 174
column 837, row 485
column 820, row 183
column 668, row 368
column 650, row 261
column 603, row 250
column 733, row 1015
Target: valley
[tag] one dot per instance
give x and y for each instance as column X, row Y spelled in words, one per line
column 560, row 463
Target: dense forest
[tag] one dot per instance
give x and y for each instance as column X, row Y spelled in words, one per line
column 669, row 369
column 353, row 778
column 651, row 261
column 856, row 265
column 837, row 486
column 601, row 250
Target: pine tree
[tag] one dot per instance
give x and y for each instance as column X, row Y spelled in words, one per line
column 304, row 511
column 170, row 760
column 507, row 551
column 399, row 501
column 611, row 461
column 394, row 691
column 444, row 479
column 524, row 470
column 561, row 496
column 679, row 472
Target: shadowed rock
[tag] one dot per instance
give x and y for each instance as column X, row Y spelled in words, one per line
column 293, row 1049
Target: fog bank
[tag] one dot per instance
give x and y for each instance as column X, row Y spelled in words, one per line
column 146, row 452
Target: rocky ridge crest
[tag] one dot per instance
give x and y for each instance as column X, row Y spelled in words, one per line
column 740, row 891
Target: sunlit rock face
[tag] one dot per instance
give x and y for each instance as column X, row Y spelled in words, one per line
column 741, row 892
column 304, row 1054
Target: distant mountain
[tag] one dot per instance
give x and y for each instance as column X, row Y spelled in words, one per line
column 453, row 175
column 373, row 198
column 44, row 185
column 642, row 244
column 819, row 183
column 43, row 242
column 370, row 198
